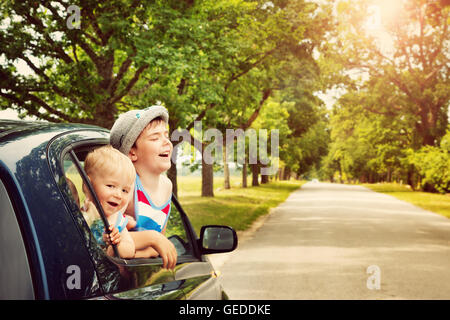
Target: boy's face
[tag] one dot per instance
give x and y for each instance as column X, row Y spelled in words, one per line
column 113, row 191
column 153, row 148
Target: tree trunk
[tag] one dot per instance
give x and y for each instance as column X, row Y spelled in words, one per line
column 410, row 178
column 426, row 126
column 287, row 173
column 226, row 170
column 244, row 173
column 264, row 177
column 207, row 179
column 172, row 175
column 255, row 173
column 172, row 172
column 281, row 174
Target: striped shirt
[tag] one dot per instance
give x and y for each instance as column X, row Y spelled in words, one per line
column 148, row 215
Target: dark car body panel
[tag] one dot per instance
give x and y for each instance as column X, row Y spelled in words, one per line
column 56, row 237
column 50, row 239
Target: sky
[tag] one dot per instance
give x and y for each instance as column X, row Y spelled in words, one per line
column 11, row 115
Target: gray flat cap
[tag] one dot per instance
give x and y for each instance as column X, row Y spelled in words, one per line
column 130, row 124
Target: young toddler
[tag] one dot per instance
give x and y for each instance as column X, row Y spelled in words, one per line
column 112, row 176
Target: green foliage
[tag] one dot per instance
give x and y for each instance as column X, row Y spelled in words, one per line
column 437, row 203
column 232, row 207
column 433, row 164
column 390, row 124
column 404, row 61
column 218, row 62
column 364, row 145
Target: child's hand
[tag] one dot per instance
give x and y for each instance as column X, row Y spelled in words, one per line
column 113, row 237
column 166, row 251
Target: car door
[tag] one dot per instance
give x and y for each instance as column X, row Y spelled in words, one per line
column 15, row 274
column 131, row 278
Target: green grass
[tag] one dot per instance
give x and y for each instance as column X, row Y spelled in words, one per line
column 437, row 203
column 236, row 207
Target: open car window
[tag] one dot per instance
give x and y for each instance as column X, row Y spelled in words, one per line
column 175, row 229
column 78, row 190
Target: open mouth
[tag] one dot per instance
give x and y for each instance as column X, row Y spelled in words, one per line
column 112, row 204
column 164, row 155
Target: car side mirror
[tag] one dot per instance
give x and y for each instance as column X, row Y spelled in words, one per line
column 217, row 239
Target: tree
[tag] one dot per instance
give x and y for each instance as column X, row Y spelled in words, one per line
column 257, row 69
column 123, row 55
column 274, row 116
column 366, row 146
column 433, row 164
column 79, row 74
column 407, row 51
column 127, row 54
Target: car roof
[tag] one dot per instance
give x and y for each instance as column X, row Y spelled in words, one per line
column 33, row 135
column 9, row 127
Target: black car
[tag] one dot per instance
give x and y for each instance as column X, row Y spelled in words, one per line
column 49, row 249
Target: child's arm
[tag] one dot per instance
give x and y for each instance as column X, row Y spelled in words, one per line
column 125, row 246
column 148, row 252
column 158, row 242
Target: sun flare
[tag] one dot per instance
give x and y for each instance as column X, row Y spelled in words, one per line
column 382, row 13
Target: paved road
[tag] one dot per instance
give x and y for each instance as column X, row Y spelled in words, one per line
column 331, row 241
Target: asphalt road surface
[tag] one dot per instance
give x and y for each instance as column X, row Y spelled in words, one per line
column 331, row 241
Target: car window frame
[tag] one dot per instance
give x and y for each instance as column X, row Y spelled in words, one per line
column 97, row 204
column 195, row 256
column 110, row 269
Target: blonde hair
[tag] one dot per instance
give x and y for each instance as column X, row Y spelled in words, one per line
column 107, row 160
